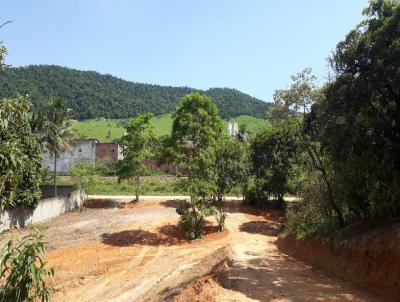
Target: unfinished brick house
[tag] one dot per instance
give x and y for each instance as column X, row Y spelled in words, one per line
column 109, row 153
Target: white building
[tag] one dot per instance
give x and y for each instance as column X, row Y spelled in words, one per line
column 79, row 150
column 233, row 129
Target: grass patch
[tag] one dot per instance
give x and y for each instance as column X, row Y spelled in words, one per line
column 108, row 130
column 151, row 185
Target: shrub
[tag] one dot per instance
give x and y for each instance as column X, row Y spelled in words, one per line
column 193, row 223
column 312, row 216
column 23, row 275
column 83, row 174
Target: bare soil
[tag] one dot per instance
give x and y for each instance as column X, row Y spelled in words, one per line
column 138, row 253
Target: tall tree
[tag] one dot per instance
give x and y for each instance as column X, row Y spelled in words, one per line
column 273, row 153
column 20, row 158
column 362, row 109
column 232, row 165
column 195, row 130
column 137, row 146
column 294, row 104
column 57, row 131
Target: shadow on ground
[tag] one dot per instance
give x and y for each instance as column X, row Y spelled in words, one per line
column 165, row 235
column 172, row 203
column 267, row 228
column 267, row 280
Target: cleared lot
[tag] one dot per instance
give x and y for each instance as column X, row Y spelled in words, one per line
column 138, row 253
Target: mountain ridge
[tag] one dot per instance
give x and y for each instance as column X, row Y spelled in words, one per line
column 91, row 94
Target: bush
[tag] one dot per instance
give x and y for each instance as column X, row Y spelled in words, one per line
column 194, row 224
column 20, row 156
column 312, row 216
column 83, row 174
column 23, row 275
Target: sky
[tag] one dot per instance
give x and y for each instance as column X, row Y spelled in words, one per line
column 250, row 45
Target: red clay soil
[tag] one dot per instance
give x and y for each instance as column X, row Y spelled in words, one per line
column 370, row 259
column 140, row 254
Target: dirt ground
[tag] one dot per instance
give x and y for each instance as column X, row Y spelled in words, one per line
column 138, row 253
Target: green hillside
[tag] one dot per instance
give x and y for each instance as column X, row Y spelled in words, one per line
column 93, row 95
column 108, row 130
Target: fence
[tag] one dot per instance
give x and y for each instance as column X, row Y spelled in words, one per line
column 49, row 207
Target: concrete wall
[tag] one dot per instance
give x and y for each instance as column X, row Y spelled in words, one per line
column 46, row 209
column 79, row 150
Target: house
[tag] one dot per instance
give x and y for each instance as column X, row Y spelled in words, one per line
column 88, row 150
column 110, row 153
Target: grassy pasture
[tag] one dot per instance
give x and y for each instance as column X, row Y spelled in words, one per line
column 107, row 130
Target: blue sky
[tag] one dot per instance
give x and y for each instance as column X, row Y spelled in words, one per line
column 250, row 45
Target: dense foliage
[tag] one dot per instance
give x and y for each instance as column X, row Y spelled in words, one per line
column 273, row 153
column 23, row 273
column 350, row 129
column 362, row 108
column 20, row 156
column 232, row 165
column 92, row 95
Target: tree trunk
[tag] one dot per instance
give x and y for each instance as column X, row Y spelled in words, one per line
column 280, row 201
column 55, row 175
column 137, row 187
column 320, row 167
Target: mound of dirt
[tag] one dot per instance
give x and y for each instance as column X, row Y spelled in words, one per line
column 196, row 283
column 370, row 259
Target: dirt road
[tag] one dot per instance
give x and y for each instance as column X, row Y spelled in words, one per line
column 139, row 254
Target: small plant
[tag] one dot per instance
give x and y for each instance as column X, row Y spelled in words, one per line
column 23, row 275
column 220, row 216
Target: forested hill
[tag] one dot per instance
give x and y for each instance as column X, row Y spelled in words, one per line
column 91, row 94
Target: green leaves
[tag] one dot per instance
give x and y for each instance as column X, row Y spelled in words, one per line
column 20, row 157
column 362, row 109
column 232, row 165
column 83, row 174
column 138, row 144
column 195, row 131
column 94, row 95
column 23, row 273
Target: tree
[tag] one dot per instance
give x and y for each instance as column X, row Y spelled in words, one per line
column 294, row 104
column 20, row 156
column 195, row 130
column 231, row 165
column 137, row 146
column 57, row 131
column 273, row 153
column 362, row 108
